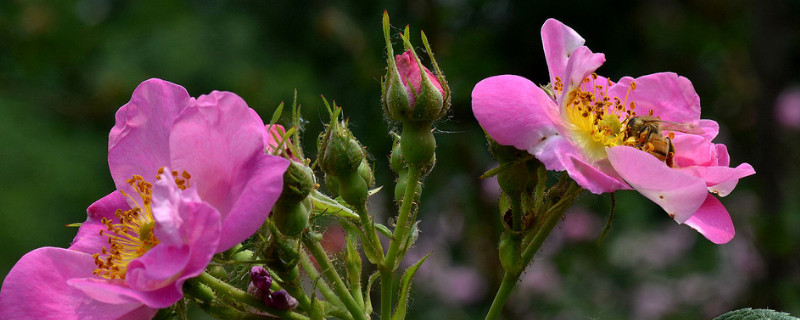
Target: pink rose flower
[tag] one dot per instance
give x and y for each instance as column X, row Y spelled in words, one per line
column 579, row 123
column 140, row 243
column 216, row 139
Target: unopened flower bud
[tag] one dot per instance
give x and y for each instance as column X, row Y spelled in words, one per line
column 410, row 91
column 342, row 157
column 298, row 181
column 261, row 278
column 339, row 152
column 281, row 300
column 519, row 175
column 365, row 172
column 291, row 218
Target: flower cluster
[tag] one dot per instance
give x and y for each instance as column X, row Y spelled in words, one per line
column 192, row 179
column 643, row 133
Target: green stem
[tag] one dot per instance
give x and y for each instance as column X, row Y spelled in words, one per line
column 323, row 287
column 552, row 216
column 330, row 273
column 402, row 228
column 236, row 295
column 509, row 281
column 551, row 219
column 386, row 292
column 400, row 235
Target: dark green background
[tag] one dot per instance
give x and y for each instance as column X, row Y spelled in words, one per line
column 66, row 66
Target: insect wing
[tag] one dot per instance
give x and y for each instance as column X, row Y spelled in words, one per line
column 680, row 127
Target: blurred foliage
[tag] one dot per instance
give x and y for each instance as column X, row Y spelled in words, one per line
column 67, row 65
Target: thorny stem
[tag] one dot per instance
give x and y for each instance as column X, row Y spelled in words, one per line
column 323, row 287
column 330, row 273
column 551, row 219
column 235, row 295
column 400, row 234
column 509, row 281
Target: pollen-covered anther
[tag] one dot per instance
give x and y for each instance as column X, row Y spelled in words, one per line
column 130, row 233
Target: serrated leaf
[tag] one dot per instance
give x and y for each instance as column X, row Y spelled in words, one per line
column 405, row 287
column 754, row 314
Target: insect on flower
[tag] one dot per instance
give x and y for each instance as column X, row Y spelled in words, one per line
column 645, row 133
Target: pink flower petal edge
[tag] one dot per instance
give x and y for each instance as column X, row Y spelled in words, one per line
column 36, row 288
column 713, row 221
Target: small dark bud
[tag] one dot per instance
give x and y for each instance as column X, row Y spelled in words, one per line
column 281, row 300
column 261, row 278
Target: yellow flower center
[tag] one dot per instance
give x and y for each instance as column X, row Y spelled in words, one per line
column 595, row 120
column 132, row 236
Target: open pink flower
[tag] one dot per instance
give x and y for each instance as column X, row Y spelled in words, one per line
column 216, row 139
column 579, row 123
column 140, row 243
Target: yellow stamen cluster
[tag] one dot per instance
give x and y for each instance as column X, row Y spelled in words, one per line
column 595, row 119
column 129, row 238
column 132, row 236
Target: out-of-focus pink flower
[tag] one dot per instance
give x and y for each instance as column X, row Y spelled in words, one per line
column 579, row 123
column 140, row 243
column 787, row 108
column 276, row 145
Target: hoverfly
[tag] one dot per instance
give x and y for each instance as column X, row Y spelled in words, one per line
column 644, row 132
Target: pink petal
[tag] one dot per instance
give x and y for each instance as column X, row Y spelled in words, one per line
column 669, row 96
column 514, row 111
column 192, row 222
column 678, row 193
column 221, row 143
column 408, row 68
column 559, row 154
column 713, row 221
column 710, row 128
column 36, row 288
column 694, row 150
column 714, row 175
column 559, row 42
column 727, row 185
column 116, row 292
column 139, row 142
column 581, row 64
column 88, row 239
column 723, row 159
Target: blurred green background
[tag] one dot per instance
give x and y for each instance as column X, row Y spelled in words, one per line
column 67, row 65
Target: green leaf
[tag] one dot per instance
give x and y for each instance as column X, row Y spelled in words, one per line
column 368, row 302
column 753, row 314
column 405, row 287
